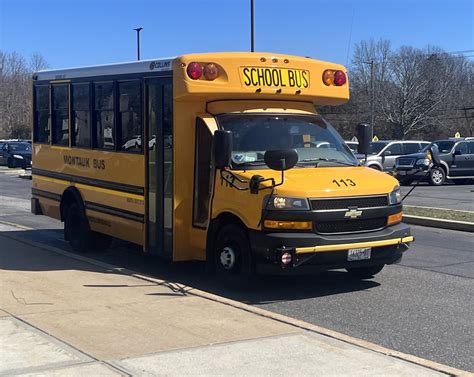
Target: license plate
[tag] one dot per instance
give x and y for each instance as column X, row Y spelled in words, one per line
column 358, row 254
column 263, row 77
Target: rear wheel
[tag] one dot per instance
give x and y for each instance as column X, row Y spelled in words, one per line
column 437, row 176
column 10, row 163
column 78, row 233
column 232, row 256
column 365, row 272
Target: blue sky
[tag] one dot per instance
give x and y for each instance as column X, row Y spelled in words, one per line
column 86, row 32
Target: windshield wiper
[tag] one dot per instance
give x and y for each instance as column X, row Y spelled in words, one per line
column 333, row 160
column 258, row 162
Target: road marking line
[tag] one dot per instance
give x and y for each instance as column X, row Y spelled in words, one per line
column 15, row 225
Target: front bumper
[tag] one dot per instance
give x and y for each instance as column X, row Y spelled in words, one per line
column 313, row 252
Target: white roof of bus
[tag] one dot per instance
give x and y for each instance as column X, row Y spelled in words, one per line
column 142, row 66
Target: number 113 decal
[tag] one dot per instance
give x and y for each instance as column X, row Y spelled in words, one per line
column 344, row 182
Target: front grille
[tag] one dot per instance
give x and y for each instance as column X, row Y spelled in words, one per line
column 345, row 203
column 350, row 225
column 405, row 162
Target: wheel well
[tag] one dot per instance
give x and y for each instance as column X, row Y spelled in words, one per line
column 69, row 196
column 214, row 227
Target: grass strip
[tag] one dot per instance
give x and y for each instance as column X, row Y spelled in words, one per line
column 439, row 213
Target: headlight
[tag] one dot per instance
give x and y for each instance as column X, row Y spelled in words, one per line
column 395, row 197
column 424, row 162
column 282, row 202
column 18, row 156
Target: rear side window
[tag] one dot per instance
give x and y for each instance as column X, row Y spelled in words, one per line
column 411, row 148
column 41, row 115
column 60, row 114
column 81, row 135
column 104, row 115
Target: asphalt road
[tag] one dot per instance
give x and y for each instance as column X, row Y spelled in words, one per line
column 450, row 195
column 422, row 306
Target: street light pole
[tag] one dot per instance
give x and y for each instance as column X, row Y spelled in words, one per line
column 138, row 30
column 252, row 46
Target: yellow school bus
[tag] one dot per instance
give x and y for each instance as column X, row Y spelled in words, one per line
column 218, row 157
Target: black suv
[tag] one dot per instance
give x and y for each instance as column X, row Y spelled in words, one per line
column 457, row 163
column 15, row 154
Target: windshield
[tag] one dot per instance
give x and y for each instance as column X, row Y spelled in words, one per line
column 20, row 147
column 444, row 146
column 315, row 140
column 376, row 147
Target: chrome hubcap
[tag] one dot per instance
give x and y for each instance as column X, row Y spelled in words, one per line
column 227, row 258
column 437, row 176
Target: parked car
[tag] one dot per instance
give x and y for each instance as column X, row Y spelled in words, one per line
column 353, row 145
column 382, row 154
column 457, row 163
column 15, row 154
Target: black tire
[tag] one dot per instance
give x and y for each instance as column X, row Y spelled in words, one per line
column 437, row 176
column 406, row 181
column 463, row 181
column 365, row 272
column 78, row 233
column 10, row 163
column 232, row 255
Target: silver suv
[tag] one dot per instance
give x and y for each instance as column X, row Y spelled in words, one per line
column 382, row 154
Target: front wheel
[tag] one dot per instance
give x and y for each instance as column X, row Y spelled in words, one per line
column 365, row 272
column 437, row 176
column 232, row 256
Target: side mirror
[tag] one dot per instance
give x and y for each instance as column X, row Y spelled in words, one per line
column 434, row 152
column 222, row 148
column 364, row 135
column 457, row 153
column 281, row 159
column 387, row 153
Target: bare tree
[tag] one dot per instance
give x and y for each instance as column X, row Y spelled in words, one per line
column 15, row 93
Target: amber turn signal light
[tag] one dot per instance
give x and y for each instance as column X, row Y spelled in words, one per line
column 393, row 219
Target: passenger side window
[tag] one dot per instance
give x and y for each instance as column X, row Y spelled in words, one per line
column 60, row 114
column 471, row 147
column 394, row 149
column 81, row 136
column 130, row 116
column 41, row 121
column 202, row 174
column 461, row 148
column 104, row 115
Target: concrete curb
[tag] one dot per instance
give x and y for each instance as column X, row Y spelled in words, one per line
column 177, row 287
column 439, row 223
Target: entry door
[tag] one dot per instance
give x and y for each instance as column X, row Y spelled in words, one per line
column 159, row 166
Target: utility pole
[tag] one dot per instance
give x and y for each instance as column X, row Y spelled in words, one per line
column 138, row 30
column 252, row 45
column 372, row 95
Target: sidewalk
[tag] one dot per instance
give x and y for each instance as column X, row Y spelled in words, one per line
column 62, row 316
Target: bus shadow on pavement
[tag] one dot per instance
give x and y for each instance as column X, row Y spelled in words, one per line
column 261, row 290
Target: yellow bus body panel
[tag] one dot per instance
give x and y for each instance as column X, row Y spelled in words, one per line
column 230, row 84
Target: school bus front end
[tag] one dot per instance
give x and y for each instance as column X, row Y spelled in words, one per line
column 279, row 192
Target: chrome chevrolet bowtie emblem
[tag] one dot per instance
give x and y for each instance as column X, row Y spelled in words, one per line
column 353, row 213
